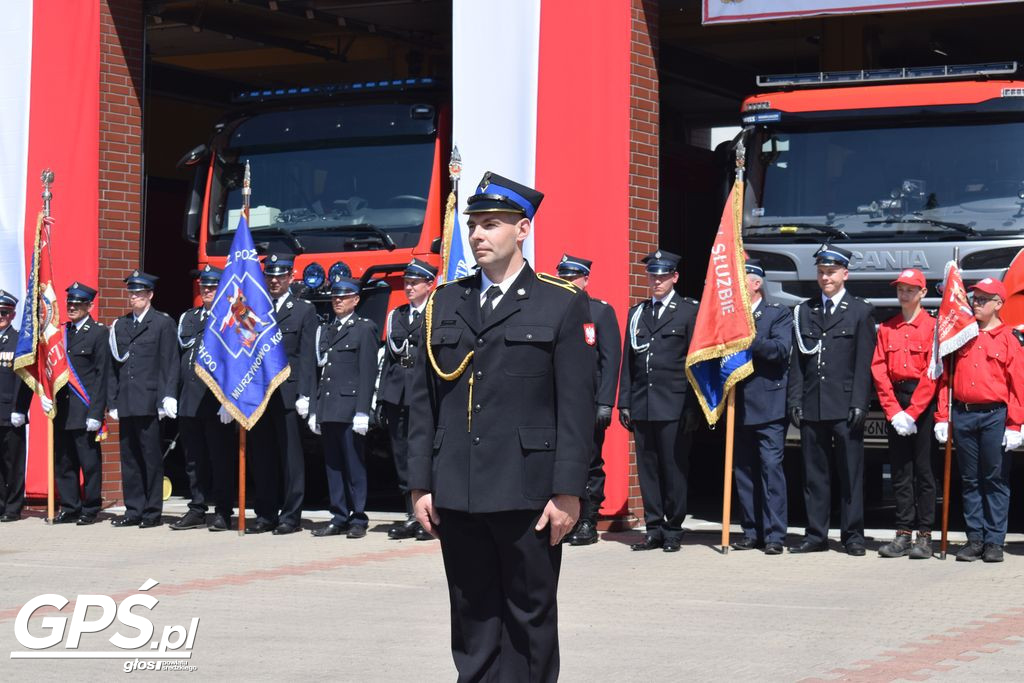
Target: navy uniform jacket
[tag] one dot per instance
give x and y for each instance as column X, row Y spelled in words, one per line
column 88, row 352
column 349, row 355
column 397, row 375
column 139, row 384
column 298, row 322
column 761, row 398
column 827, row 389
column 195, row 399
column 609, row 350
column 532, row 414
column 15, row 396
column 653, row 384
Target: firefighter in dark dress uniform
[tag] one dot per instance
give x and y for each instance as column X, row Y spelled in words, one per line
column 279, row 467
column 501, row 423
column 15, row 397
column 76, row 428
column 346, row 353
column 211, row 453
column 403, row 339
column 761, row 416
column 829, row 389
column 576, row 271
column 142, row 391
column 655, row 401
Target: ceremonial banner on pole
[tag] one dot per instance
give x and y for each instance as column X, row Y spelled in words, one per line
column 242, row 358
column 956, row 324
column 719, row 355
column 39, row 357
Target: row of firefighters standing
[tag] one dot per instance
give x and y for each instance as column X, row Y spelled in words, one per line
column 141, row 370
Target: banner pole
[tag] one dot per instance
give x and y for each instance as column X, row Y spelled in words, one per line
column 241, row 480
column 730, row 426
column 49, row 471
column 948, row 467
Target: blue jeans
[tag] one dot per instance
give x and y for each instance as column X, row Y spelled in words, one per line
column 984, row 472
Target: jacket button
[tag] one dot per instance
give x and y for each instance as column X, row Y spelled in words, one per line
column 476, row 440
column 327, row 393
column 476, row 408
column 480, row 341
column 529, row 336
column 328, row 363
column 479, row 374
column 547, row 444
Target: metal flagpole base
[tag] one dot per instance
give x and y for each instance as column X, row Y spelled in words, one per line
column 942, row 555
column 725, row 550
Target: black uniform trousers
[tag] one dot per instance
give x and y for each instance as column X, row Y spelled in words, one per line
column 502, row 582
column 279, row 474
column 346, row 473
column 910, row 462
column 209, row 452
column 590, row 506
column 12, row 470
column 761, row 481
column 142, row 467
column 397, row 417
column 76, row 450
column 663, row 465
column 828, row 445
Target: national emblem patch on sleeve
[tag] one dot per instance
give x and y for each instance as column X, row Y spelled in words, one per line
column 590, row 333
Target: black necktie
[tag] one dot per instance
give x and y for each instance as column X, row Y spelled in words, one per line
column 135, row 323
column 415, row 316
column 72, row 329
column 493, row 292
column 828, row 308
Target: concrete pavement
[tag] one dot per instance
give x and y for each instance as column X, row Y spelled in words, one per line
column 297, row 607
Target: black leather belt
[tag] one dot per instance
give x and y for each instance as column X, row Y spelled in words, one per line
column 905, row 385
column 977, row 407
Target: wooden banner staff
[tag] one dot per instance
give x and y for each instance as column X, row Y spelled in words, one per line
column 47, row 177
column 730, row 428
column 948, row 467
column 246, row 194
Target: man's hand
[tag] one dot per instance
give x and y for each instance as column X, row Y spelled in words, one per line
column 313, row 426
column 46, row 404
column 1011, row 439
column 361, row 423
column 113, row 414
column 302, row 406
column 17, row 419
column 423, row 508
column 560, row 514
column 796, row 416
column 92, row 425
column 903, row 424
column 604, row 417
column 224, row 415
column 624, row 419
column 170, row 406
column 941, row 430
column 856, row 418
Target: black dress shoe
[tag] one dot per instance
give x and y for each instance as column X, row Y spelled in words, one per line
column 219, row 523
column 855, row 549
column 810, row 547
column 649, row 543
column 585, row 534
column 9, row 517
column 126, row 521
column 285, row 528
column 261, row 526
column 151, row 523
column 331, row 529
column 356, row 531
column 773, row 548
column 193, row 519
column 65, row 517
column 406, row 529
column 671, row 545
column 745, row 543
column 424, row 535
column 85, row 520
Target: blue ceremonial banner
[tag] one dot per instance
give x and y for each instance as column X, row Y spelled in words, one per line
column 456, row 257
column 241, row 356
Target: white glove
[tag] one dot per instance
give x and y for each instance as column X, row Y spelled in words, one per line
column 941, row 431
column 17, row 419
column 361, row 423
column 161, row 413
column 302, row 406
column 1012, row 439
column 170, row 407
column 113, row 414
column 92, row 425
column 224, row 415
column 46, row 404
column 313, row 426
column 904, row 424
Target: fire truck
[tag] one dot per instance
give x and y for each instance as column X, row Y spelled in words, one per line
column 899, row 166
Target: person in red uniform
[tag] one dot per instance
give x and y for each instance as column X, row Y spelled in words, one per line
column 899, row 368
column 987, row 414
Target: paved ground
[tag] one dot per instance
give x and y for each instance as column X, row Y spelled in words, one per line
column 297, row 607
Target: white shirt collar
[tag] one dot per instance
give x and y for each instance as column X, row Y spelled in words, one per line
column 504, row 285
column 419, row 308
column 78, row 325
column 664, row 300
column 282, row 299
column 342, row 321
column 753, row 306
column 140, row 316
column 835, row 299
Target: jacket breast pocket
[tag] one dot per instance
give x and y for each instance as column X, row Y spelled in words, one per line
column 538, row 445
column 528, row 350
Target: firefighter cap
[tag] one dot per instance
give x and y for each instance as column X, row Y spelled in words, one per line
column 829, row 255
column 991, row 286
column 80, row 294
column 661, row 262
column 912, row 277
column 495, row 193
column 138, row 281
column 573, row 266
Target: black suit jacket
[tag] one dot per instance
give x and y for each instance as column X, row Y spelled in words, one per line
column 528, row 432
column 15, row 396
column 349, row 354
column 761, row 398
column 88, row 352
column 396, row 378
column 609, row 350
column 194, row 398
column 150, row 372
column 653, row 384
column 828, row 384
column 298, row 322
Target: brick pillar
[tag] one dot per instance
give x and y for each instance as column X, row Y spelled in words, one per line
column 120, row 211
column 643, row 170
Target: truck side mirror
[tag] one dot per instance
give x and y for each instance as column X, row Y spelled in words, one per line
column 435, row 245
column 194, row 210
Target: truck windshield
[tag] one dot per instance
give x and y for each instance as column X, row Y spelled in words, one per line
column 910, row 181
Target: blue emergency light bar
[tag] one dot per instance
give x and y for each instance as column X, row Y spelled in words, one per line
column 916, row 73
column 333, row 89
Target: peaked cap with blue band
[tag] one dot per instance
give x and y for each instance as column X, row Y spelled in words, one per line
column 278, row 264
column 139, row 281
column 753, row 267
column 345, row 286
column 495, row 193
column 574, row 265
column 209, row 275
column 7, row 299
column 661, row 262
column 420, row 269
column 79, row 293
column 829, row 255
